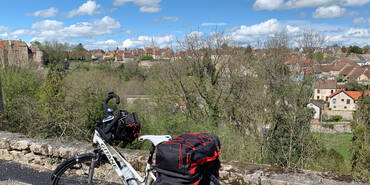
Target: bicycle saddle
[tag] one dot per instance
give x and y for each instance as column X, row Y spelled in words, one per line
column 155, row 139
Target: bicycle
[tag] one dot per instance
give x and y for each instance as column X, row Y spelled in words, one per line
column 80, row 169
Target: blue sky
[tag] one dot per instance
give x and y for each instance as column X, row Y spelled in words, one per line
column 108, row 24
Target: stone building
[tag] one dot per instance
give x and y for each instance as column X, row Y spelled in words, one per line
column 15, row 52
column 324, row 88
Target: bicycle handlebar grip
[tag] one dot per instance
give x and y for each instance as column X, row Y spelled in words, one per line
column 110, row 96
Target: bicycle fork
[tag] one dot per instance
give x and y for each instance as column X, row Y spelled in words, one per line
column 94, row 162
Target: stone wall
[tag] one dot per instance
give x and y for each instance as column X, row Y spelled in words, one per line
column 337, row 128
column 47, row 154
column 347, row 115
column 3, row 56
column 19, row 54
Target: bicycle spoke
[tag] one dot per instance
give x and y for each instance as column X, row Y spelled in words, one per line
column 78, row 174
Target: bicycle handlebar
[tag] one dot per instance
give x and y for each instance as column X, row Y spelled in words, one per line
column 110, row 96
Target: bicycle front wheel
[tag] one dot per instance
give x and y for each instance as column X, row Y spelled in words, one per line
column 75, row 171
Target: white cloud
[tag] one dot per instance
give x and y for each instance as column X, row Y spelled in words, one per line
column 48, row 25
column 267, row 4
column 354, row 2
column 51, row 12
column 3, row 28
column 104, row 44
column 88, row 8
column 54, row 30
column 214, row 24
column 328, row 12
column 128, row 31
column 147, row 6
column 297, row 4
column 4, row 35
column 257, row 33
column 358, row 33
column 141, row 41
column 166, row 18
column 195, row 34
column 352, row 36
column 14, row 34
column 251, row 33
column 358, row 21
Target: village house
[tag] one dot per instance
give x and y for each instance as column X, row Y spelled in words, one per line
column 317, row 107
column 97, row 54
column 324, row 88
column 342, row 100
column 109, row 54
column 356, row 73
column 365, row 77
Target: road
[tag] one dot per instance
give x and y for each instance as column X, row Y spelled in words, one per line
column 16, row 174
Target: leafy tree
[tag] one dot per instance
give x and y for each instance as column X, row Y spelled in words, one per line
column 79, row 53
column 36, row 43
column 318, row 56
column 353, row 85
column 361, row 138
column 344, row 49
column 20, row 88
column 55, row 52
column 365, row 49
column 355, row 49
column 52, row 97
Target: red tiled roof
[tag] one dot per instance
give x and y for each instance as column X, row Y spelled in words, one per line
column 353, row 94
column 326, row 68
column 340, row 63
column 2, row 47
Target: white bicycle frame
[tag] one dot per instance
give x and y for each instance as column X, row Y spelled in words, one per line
column 108, row 152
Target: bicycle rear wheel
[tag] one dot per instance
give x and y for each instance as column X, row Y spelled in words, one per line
column 213, row 179
column 75, row 171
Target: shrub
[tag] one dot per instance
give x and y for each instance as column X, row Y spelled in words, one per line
column 21, row 88
column 336, row 118
column 331, row 126
column 147, row 57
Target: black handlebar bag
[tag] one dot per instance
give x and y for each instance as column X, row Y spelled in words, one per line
column 127, row 128
column 187, row 158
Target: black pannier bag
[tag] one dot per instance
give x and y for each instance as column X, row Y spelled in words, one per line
column 127, row 128
column 187, row 158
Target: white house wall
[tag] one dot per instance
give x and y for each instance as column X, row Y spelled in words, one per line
column 341, row 102
column 323, row 94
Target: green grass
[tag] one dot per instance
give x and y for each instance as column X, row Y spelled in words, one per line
column 341, row 143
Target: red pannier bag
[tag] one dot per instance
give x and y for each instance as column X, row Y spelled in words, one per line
column 187, row 159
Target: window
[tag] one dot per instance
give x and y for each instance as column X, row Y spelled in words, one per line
column 331, row 91
column 334, row 100
column 318, row 91
column 348, row 101
column 335, row 107
column 342, row 99
column 345, row 107
column 318, row 97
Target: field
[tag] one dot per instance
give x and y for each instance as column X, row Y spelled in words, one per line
column 339, row 142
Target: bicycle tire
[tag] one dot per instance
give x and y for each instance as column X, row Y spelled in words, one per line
column 74, row 171
column 213, row 179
